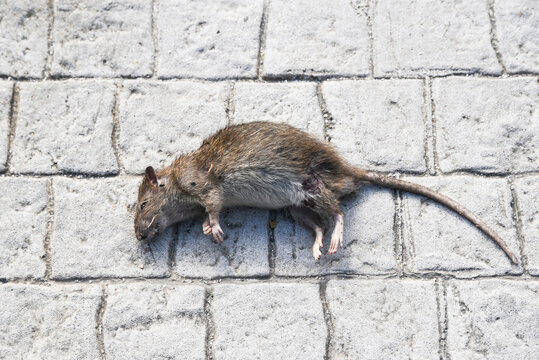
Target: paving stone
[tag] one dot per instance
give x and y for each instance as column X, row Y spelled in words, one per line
column 316, row 38
column 516, row 27
column 293, row 103
column 64, row 126
column 438, row 239
column 527, row 191
column 150, row 321
column 432, row 37
column 369, row 240
column 487, row 125
column 243, row 253
column 161, row 120
column 5, row 106
column 378, row 124
column 23, row 226
column 102, row 38
column 217, row 39
column 492, row 319
column 23, row 37
column 268, row 321
column 383, row 319
column 48, row 322
column 93, row 232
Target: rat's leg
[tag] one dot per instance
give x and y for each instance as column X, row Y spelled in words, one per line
column 213, row 208
column 206, row 228
column 312, row 220
column 337, row 236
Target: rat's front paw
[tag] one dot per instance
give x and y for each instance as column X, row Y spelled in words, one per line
column 206, row 228
column 218, row 233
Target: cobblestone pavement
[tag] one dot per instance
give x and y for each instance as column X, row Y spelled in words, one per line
column 443, row 93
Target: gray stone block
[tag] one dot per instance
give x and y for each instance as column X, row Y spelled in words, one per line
column 243, row 253
column 438, row 239
column 369, row 241
column 23, row 226
column 383, row 319
column 318, row 38
column 268, row 321
column 161, row 120
column 150, row 321
column 432, row 37
column 487, row 125
column 492, row 319
column 23, row 37
column 102, row 38
column 527, row 191
column 378, row 124
column 293, row 103
column 64, row 126
column 6, row 88
column 216, row 39
column 93, row 232
column 49, row 322
column 517, row 24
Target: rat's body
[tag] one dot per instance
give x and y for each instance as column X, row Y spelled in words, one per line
column 270, row 166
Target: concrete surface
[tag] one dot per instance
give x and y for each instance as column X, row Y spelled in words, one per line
column 440, row 93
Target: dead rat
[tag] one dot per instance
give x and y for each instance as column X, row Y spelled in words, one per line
column 270, row 166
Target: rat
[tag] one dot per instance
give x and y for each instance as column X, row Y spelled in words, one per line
column 272, row 166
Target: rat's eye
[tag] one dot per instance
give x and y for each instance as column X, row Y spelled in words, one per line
column 161, row 185
column 193, row 183
column 143, row 205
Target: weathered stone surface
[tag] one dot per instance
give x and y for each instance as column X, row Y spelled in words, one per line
column 369, row 241
column 243, row 253
column 217, row 39
column 379, row 124
column 268, row 321
column 438, row 239
column 64, row 126
column 93, row 232
column 527, row 190
column 23, row 226
column 148, row 321
column 41, row 322
column 433, row 37
column 383, row 319
column 492, row 319
column 293, row 103
column 159, row 121
column 517, row 24
column 5, row 105
column 100, row 38
column 487, row 125
column 316, row 38
column 23, row 37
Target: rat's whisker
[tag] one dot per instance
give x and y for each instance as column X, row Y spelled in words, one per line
column 151, row 222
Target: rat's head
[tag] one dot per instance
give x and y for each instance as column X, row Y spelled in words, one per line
column 159, row 206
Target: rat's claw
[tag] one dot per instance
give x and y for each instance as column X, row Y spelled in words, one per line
column 218, row 233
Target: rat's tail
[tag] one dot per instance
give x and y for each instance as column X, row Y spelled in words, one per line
column 392, row 183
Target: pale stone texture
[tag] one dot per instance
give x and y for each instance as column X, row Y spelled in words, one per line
column 216, row 39
column 64, row 126
column 378, row 124
column 383, row 319
column 432, row 37
column 527, row 192
column 438, row 239
column 48, row 322
column 149, row 321
column 102, row 38
column 268, row 321
column 23, row 226
column 369, row 240
column 161, row 120
column 6, row 88
column 243, row 253
column 320, row 38
column 487, row 125
column 517, row 28
column 294, row 103
column 94, row 233
column 23, row 37
column 493, row 319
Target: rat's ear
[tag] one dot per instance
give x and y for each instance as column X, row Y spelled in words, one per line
column 150, row 175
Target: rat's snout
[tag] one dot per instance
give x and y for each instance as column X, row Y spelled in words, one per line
column 145, row 232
